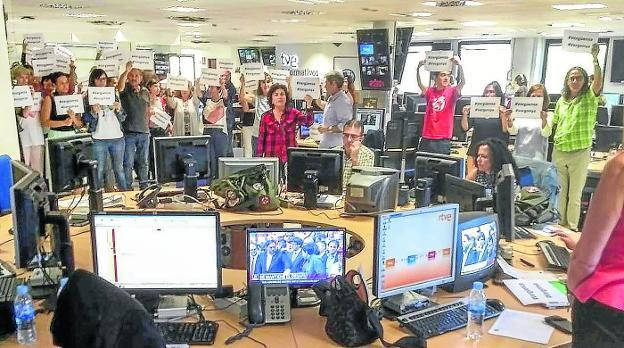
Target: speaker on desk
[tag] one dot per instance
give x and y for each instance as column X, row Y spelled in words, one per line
column 226, row 247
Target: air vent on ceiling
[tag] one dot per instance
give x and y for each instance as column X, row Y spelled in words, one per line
column 62, row 6
column 266, row 35
column 200, row 41
column 445, row 29
column 108, row 23
column 368, row 9
column 446, row 20
column 27, row 18
column 142, row 21
column 301, row 13
column 189, row 19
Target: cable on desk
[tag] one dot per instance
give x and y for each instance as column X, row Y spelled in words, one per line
column 6, row 242
column 523, row 252
column 240, row 334
column 292, row 331
column 79, row 233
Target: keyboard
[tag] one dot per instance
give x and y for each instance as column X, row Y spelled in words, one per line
column 556, row 256
column 7, row 289
column 200, row 333
column 439, row 319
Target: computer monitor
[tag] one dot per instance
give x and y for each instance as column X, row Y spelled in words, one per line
column 617, row 116
column 372, row 190
column 184, row 158
column 422, row 107
column 372, row 119
column 304, row 130
column 412, row 100
column 158, row 252
column 249, row 55
column 403, row 265
column 464, row 192
column 231, row 165
column 314, row 171
column 299, row 256
column 461, row 102
column 603, row 116
column 504, row 201
column 436, row 166
column 607, row 138
column 458, row 132
column 477, row 246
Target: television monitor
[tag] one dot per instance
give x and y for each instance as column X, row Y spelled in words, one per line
column 400, row 264
column 458, row 131
column 372, row 119
column 299, row 256
column 374, row 59
column 249, row 55
column 504, row 199
column 185, row 159
column 461, row 102
column 436, row 166
column 617, row 66
column 313, row 171
column 158, row 252
column 611, row 99
column 421, row 107
column 367, row 49
column 477, row 247
column 304, row 130
column 403, row 38
column 268, row 56
column 607, row 138
column 464, row 192
column 231, row 165
column 617, row 116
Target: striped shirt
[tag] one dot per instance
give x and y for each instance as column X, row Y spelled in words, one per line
column 575, row 120
column 274, row 136
column 366, row 158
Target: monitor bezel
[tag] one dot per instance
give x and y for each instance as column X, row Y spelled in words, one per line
column 158, row 140
column 302, row 229
column 317, row 151
column 376, row 269
column 268, row 161
column 53, row 144
column 477, row 221
column 165, row 291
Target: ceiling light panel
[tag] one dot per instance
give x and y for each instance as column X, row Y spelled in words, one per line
column 62, row 6
column 451, row 3
column 574, row 7
column 183, row 9
column 84, row 15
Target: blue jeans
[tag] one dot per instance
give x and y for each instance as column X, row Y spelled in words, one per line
column 441, row 146
column 115, row 147
column 219, row 147
column 137, row 145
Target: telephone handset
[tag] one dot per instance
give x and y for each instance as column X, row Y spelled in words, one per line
column 268, row 303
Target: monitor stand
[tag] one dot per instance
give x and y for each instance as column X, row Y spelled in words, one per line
column 406, row 302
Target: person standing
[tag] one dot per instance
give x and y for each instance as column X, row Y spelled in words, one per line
column 60, row 125
column 260, row 101
column 185, row 103
column 441, row 98
column 532, row 135
column 135, row 100
column 229, row 94
column 574, row 119
column 31, row 132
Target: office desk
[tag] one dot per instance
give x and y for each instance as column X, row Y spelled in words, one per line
column 306, row 328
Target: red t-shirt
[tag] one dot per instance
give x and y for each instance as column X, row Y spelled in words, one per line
column 439, row 113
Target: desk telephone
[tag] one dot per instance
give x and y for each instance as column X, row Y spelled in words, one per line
column 268, row 303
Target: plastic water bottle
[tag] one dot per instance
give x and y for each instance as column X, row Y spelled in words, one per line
column 24, row 316
column 61, row 286
column 476, row 311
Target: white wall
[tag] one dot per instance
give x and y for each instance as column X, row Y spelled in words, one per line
column 317, row 56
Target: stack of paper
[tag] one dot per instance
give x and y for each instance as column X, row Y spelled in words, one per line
column 523, row 326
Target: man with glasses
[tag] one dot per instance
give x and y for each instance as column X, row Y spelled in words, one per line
column 356, row 154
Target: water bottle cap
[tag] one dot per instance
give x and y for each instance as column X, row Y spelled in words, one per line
column 22, row 290
column 477, row 286
column 63, row 282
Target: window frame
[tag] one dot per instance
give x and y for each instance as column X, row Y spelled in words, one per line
column 491, row 41
column 559, row 42
column 415, row 44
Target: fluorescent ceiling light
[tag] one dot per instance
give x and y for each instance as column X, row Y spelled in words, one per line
column 188, row 25
column 84, row 15
column 120, row 37
column 478, row 24
column 193, row 33
column 421, row 14
column 293, row 20
column 183, row 9
column 452, row 3
column 567, row 25
column 572, row 7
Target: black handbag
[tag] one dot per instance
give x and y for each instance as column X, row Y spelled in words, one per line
column 351, row 322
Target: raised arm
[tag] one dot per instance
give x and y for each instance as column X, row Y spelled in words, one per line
column 121, row 84
column 244, row 99
column 464, row 121
column 461, row 79
column 597, row 82
column 422, row 87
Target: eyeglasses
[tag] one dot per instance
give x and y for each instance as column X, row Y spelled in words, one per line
column 351, row 136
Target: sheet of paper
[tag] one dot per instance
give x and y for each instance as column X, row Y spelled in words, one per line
column 115, row 54
column 104, row 96
column 43, row 67
column 251, row 86
column 530, row 292
column 110, row 66
column 44, row 53
column 177, row 83
column 438, row 61
column 209, row 77
column 527, row 107
column 523, row 326
column 22, row 96
column 143, row 60
column 484, row 107
column 520, row 274
column 107, row 45
column 253, row 71
column 305, row 85
column 34, row 39
column 63, row 51
column 225, row 65
column 161, row 119
column 66, row 102
column 61, row 63
column 37, row 99
column 279, row 75
column 578, row 41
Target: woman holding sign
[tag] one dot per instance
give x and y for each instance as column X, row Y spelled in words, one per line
column 63, row 124
column 186, row 121
column 574, row 119
column 482, row 128
column 260, row 102
column 532, row 134
column 104, row 118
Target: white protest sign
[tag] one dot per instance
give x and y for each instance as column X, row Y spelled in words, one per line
column 35, row 39
column 161, row 119
column 22, row 96
column 143, row 60
column 37, row 99
column 107, row 45
column 484, row 107
column 61, row 63
column 438, row 61
column 578, row 41
column 66, row 102
column 101, row 95
column 253, row 71
column 527, row 107
column 279, row 75
column 60, row 50
column 44, row 53
column 114, row 54
column 43, row 67
column 177, row 83
column 225, row 65
column 251, row 86
column 209, row 77
column 110, row 66
column 305, row 85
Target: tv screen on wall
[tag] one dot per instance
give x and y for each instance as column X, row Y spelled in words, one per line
column 374, row 59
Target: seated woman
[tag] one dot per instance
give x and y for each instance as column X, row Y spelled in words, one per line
column 492, row 154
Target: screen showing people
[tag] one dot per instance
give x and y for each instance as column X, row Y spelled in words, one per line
column 478, row 248
column 296, row 256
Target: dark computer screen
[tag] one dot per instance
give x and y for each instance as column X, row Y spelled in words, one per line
column 617, row 116
column 327, row 164
column 65, row 154
column 172, row 155
column 464, row 192
column 458, row 131
column 607, row 138
column 504, row 198
column 297, row 256
column 436, row 166
column 268, row 56
column 461, row 102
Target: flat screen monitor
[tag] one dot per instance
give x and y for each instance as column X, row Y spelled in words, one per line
column 402, row 264
column 617, row 116
column 295, row 256
column 327, row 164
column 608, row 138
column 403, row 38
column 372, row 119
column 304, row 130
column 436, row 166
column 504, row 201
column 464, row 192
column 231, row 165
column 268, row 56
column 412, row 100
column 159, row 252
column 374, row 59
column 249, row 55
column 461, row 102
column 65, row 155
column 184, row 158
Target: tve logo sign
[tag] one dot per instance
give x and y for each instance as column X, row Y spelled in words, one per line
column 445, row 217
column 290, row 61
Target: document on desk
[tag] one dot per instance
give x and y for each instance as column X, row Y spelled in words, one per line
column 530, row 292
column 520, row 274
column 523, row 326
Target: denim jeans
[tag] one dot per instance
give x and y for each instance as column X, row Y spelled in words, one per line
column 137, row 146
column 441, row 146
column 115, row 148
column 219, row 147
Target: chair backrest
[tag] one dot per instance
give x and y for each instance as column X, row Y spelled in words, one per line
column 374, row 139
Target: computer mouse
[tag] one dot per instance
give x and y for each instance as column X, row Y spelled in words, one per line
column 496, row 303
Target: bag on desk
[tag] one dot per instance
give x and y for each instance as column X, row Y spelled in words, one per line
column 533, row 207
column 350, row 321
column 250, row 189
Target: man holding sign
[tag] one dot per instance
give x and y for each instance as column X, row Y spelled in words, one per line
column 441, row 99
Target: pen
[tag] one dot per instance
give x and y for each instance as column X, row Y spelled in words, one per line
column 526, row 262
